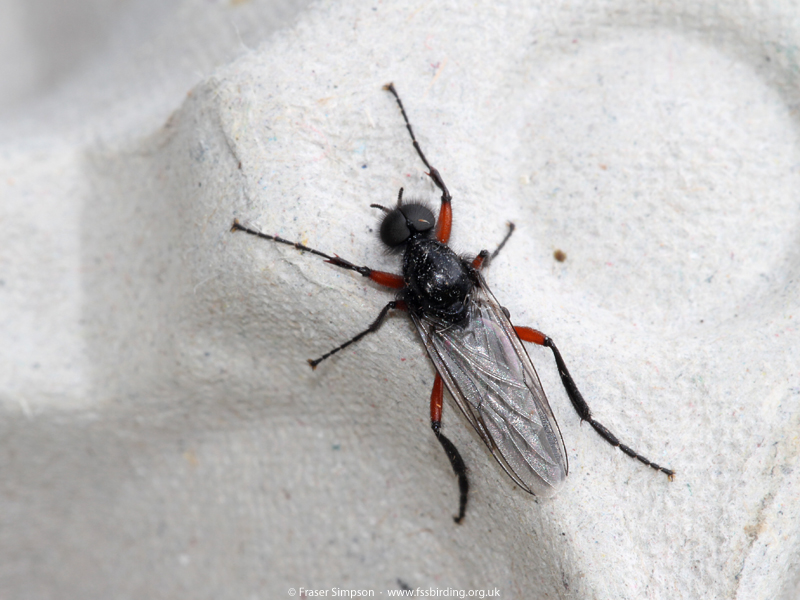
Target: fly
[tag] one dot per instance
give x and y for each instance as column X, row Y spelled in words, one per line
column 476, row 350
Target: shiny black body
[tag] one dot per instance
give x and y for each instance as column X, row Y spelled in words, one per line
column 438, row 281
column 476, row 349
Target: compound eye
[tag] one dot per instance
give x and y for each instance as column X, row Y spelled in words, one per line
column 394, row 230
column 419, row 217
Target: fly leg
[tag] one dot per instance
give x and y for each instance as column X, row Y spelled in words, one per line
column 389, row 280
column 527, row 334
column 445, row 221
column 371, row 329
column 484, row 258
column 437, row 397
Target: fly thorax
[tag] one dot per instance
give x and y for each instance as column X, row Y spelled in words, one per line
column 438, row 280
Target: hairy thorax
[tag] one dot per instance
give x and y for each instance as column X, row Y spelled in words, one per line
column 438, row 280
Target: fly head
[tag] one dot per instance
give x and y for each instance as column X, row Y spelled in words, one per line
column 406, row 221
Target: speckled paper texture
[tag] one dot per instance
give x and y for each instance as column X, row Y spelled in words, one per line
column 163, row 435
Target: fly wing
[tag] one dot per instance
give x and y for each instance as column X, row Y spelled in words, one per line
column 489, row 374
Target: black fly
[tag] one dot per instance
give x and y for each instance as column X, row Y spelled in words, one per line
column 477, row 352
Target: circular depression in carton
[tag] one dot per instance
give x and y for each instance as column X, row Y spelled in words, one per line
column 667, row 169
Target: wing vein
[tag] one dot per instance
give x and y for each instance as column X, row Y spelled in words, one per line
column 489, row 374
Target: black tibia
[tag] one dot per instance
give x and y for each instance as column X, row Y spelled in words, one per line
column 371, row 329
column 511, row 227
column 484, row 258
column 239, row 227
column 334, row 260
column 458, row 466
column 434, row 174
column 337, row 261
column 586, row 415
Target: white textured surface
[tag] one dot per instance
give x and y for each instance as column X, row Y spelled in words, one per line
column 163, row 435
